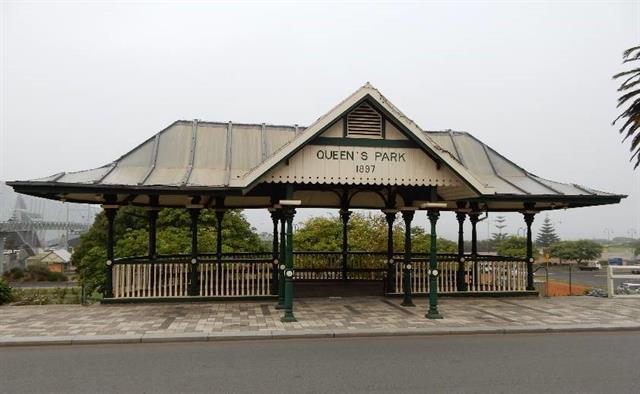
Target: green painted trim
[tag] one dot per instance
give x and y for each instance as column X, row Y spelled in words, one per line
column 183, row 299
column 365, row 142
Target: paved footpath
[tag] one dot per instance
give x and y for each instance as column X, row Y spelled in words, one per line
column 317, row 317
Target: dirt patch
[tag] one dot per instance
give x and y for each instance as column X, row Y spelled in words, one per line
column 557, row 289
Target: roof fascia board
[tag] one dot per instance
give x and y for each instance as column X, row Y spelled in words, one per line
column 47, row 187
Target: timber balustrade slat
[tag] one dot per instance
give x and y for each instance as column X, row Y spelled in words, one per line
column 249, row 274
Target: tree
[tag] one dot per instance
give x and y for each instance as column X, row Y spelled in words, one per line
column 630, row 89
column 173, row 236
column 576, row 250
column 367, row 232
column 499, row 224
column 514, row 246
column 547, row 234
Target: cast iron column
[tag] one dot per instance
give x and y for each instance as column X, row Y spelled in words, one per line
column 433, row 268
column 288, row 273
column 390, row 215
column 460, row 279
column 219, row 218
column 282, row 261
column 407, row 215
column 153, row 218
column 110, row 213
column 473, row 218
column 344, row 215
column 528, row 219
column 194, row 213
column 275, row 217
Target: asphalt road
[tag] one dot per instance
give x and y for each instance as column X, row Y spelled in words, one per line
column 588, row 278
column 546, row 363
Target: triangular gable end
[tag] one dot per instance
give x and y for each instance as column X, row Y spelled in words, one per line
column 363, row 147
column 418, row 160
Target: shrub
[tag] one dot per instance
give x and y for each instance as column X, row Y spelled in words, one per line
column 16, row 273
column 6, row 293
column 56, row 277
column 37, row 272
column 28, row 296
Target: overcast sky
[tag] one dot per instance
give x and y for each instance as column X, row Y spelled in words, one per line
column 84, row 82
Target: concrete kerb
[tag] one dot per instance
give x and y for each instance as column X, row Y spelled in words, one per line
column 309, row 334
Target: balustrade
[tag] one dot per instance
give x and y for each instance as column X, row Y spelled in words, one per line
column 250, row 274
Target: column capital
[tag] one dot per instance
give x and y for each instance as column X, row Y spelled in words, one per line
column 288, row 213
column 194, row 212
column 390, row 215
column 473, row 216
column 345, row 214
column 433, row 215
column 528, row 217
column 408, row 215
column 276, row 214
column 110, row 213
column 461, row 216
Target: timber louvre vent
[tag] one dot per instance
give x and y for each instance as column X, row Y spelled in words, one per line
column 364, row 121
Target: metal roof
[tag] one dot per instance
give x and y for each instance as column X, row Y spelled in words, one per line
column 209, row 154
column 501, row 174
column 225, row 155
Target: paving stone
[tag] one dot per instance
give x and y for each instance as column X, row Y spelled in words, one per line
column 226, row 320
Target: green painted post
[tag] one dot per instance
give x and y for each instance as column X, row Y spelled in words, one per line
column 288, row 274
column 153, row 219
column 407, row 215
column 219, row 218
column 194, row 213
column 108, row 289
column 390, row 215
column 475, row 280
column 282, row 261
column 344, row 215
column 460, row 279
column 275, row 217
column 528, row 219
column 433, row 268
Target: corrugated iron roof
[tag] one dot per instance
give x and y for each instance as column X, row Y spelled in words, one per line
column 221, row 151
column 203, row 154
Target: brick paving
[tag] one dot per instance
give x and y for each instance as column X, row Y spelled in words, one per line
column 314, row 314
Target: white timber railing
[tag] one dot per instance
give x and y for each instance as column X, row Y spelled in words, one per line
column 487, row 276
column 145, row 279
column 611, row 276
column 138, row 280
column 235, row 279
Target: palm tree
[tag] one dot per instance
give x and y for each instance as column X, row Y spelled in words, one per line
column 631, row 93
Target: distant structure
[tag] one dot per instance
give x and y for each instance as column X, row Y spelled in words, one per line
column 31, row 225
column 55, row 260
